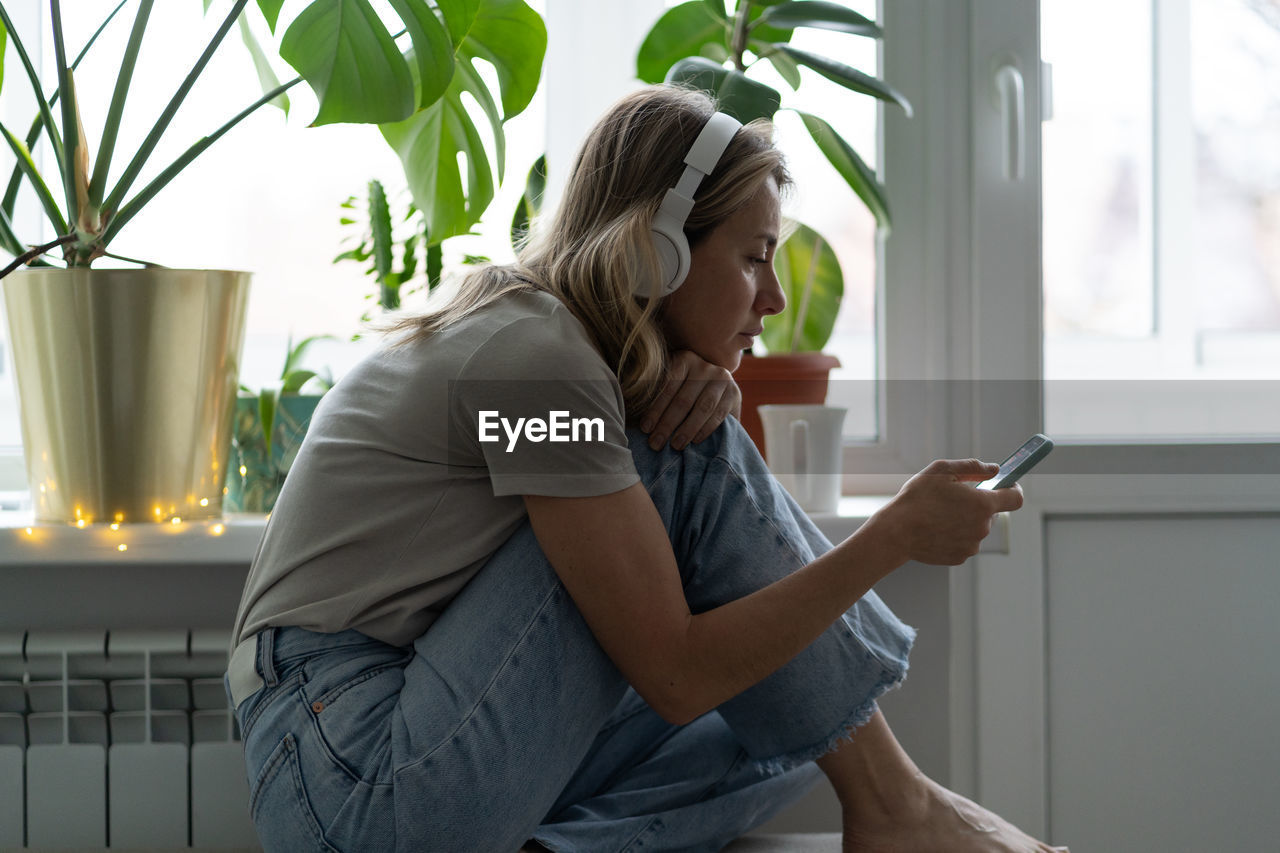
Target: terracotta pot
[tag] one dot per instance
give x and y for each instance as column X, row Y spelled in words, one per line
column 790, row 378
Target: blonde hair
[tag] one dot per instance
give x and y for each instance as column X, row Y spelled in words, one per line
column 596, row 253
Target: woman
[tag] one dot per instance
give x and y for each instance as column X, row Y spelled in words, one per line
column 461, row 634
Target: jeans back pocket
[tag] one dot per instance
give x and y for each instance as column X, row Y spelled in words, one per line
column 279, row 807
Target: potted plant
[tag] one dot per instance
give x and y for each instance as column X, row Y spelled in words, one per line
column 268, row 430
column 126, row 378
column 702, row 44
column 381, row 235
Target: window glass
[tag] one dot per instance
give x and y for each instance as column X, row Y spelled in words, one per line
column 1161, row 230
column 264, row 198
column 1235, row 113
column 1097, row 167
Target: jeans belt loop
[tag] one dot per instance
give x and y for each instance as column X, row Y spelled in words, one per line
column 242, row 672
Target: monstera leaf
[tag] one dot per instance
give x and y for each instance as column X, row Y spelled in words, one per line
column 510, row 36
column 351, row 61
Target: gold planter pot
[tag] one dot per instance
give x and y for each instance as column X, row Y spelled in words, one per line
column 126, row 384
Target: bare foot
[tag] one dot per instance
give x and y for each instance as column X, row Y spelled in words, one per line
column 936, row 819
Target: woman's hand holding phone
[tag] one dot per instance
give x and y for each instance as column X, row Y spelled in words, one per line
column 938, row 518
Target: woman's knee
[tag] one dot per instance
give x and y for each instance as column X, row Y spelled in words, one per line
column 729, row 441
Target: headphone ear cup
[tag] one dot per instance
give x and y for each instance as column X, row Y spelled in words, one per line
column 673, row 252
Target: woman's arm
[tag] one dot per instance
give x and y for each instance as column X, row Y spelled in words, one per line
column 613, row 555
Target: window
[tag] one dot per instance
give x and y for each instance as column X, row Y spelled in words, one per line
column 264, row 198
column 1161, row 232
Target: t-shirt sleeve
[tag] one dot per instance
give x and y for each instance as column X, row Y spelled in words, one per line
column 538, row 403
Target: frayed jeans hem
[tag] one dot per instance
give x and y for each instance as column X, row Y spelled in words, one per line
column 889, row 679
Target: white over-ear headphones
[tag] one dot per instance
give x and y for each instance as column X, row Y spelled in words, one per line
column 668, row 224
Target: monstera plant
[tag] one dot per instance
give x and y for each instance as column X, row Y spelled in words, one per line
column 87, row 342
column 705, row 45
column 410, row 83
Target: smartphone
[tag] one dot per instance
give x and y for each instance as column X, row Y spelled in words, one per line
column 1023, row 460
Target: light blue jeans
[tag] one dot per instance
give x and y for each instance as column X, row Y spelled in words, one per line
column 506, row 721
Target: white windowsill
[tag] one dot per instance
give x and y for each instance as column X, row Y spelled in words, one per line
column 234, row 539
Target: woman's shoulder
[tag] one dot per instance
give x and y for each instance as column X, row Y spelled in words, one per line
column 529, row 322
column 532, row 335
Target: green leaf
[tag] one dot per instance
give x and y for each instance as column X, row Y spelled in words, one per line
column 513, row 38
column 36, row 86
column 380, row 223
column 409, row 258
column 847, row 76
column 268, row 399
column 111, row 127
column 270, row 11
column 739, row 96
column 131, row 171
column 530, row 203
column 810, row 275
column 435, row 265
column 762, row 31
column 681, row 31
column 820, row 14
column 428, row 145
column 8, row 239
column 782, row 63
column 4, row 43
column 295, row 354
column 432, row 48
column 458, row 17
column 135, row 204
column 32, row 174
column 350, row 61
column 472, row 82
column 716, row 8
column 851, row 167
column 295, row 379
column 717, row 53
column 266, row 74
column 510, row 36
column 72, row 133
column 37, row 126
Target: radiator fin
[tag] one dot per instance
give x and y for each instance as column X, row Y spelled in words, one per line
column 119, row 739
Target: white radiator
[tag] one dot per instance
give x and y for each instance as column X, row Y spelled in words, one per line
column 119, row 739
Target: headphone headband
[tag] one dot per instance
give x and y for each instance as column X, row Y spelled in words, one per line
column 668, row 223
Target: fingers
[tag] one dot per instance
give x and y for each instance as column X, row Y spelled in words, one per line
column 965, row 470
column 708, row 412
column 677, row 370
column 734, row 394
column 1007, row 499
column 695, row 399
column 944, row 518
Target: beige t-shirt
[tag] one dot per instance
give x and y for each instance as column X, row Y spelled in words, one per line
column 413, row 467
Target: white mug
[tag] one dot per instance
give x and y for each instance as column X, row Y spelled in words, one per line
column 802, row 447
